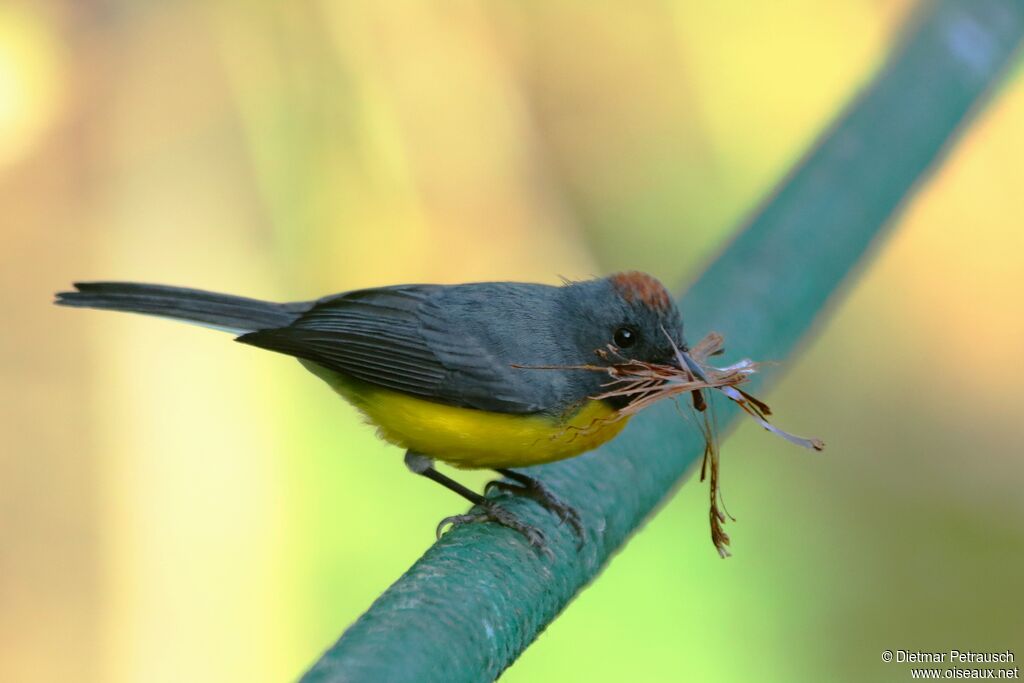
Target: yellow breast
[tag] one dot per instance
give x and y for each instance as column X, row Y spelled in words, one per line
column 476, row 439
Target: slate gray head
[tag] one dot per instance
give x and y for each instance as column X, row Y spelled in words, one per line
column 631, row 311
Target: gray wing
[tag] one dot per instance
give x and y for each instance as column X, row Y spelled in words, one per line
column 405, row 339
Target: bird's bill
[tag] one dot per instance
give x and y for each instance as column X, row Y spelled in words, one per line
column 688, row 363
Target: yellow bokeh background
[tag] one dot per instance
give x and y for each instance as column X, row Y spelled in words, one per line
column 174, row 506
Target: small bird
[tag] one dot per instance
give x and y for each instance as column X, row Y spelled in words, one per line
column 479, row 375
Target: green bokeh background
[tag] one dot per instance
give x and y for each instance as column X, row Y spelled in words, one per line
column 178, row 507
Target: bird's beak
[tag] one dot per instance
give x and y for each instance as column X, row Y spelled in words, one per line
column 685, row 361
column 692, row 366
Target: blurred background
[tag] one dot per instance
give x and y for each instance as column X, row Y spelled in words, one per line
column 174, row 506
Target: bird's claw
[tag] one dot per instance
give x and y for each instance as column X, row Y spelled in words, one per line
column 545, row 498
column 491, row 512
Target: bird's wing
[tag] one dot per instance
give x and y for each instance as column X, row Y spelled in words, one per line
column 394, row 338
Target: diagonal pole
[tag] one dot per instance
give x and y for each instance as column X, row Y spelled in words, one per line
column 480, row 596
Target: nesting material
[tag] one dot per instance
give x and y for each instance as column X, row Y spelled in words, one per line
column 642, row 384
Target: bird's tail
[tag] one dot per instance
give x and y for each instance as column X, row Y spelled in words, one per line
column 223, row 311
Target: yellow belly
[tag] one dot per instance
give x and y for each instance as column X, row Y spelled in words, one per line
column 476, row 439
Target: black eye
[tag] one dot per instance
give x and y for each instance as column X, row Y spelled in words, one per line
column 625, row 337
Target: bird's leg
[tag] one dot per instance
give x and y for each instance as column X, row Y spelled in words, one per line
column 490, row 511
column 535, row 490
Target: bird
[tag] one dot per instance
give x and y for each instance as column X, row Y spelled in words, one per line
column 481, row 375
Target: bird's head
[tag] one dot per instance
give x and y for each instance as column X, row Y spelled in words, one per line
column 626, row 316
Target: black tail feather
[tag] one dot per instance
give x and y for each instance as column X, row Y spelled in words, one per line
column 234, row 313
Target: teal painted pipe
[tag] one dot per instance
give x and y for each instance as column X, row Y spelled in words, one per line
column 480, row 596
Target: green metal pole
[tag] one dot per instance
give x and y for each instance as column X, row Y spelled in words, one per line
column 480, row 596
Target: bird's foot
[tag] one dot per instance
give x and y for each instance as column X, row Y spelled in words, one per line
column 489, row 511
column 532, row 488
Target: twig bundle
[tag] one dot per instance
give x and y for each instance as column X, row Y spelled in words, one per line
column 642, row 384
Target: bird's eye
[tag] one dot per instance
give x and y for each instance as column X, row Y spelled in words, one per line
column 625, row 337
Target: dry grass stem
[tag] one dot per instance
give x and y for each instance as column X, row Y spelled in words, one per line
column 638, row 385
